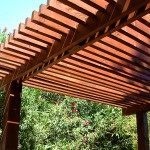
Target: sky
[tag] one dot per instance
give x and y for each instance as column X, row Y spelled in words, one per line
column 14, row 12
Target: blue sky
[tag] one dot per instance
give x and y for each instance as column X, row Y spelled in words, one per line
column 13, row 12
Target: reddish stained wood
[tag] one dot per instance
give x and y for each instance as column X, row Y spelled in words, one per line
column 140, row 38
column 34, row 35
column 2, row 75
column 140, row 28
column 119, row 56
column 132, row 40
column 131, row 111
column 85, row 77
column 121, row 53
column 25, row 45
column 138, row 42
column 20, row 37
column 11, row 58
column 113, row 2
column 49, row 24
column 61, row 79
column 76, row 90
column 147, row 17
column 110, row 63
column 96, row 4
column 128, row 49
column 142, row 130
column 134, row 77
column 18, row 49
column 87, row 71
column 126, row 78
column 53, row 72
column 75, row 82
column 3, row 71
column 42, row 30
column 62, row 20
column 9, row 52
column 73, row 88
column 72, row 72
column 100, row 70
column 80, row 6
column 67, row 11
column 82, row 82
column 12, row 116
column 69, row 93
column 128, row 102
column 145, row 22
column 10, row 63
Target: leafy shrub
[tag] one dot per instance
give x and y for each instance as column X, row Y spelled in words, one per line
column 3, row 35
column 71, row 124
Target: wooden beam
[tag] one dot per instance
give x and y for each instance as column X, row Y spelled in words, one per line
column 131, row 111
column 72, row 92
column 11, row 117
column 142, row 131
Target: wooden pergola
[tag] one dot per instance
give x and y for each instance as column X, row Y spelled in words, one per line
column 97, row 50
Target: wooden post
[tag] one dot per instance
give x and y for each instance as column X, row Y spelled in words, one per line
column 11, row 118
column 142, row 131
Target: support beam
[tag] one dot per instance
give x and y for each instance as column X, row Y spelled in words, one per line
column 142, row 130
column 11, row 117
column 133, row 110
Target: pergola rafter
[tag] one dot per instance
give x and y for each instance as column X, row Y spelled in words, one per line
column 95, row 50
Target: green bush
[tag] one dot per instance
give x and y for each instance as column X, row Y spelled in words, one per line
column 68, row 123
column 3, row 35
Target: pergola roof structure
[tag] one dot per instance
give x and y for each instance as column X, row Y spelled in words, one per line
column 97, row 50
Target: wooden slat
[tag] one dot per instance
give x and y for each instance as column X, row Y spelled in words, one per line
column 34, row 35
column 60, row 19
column 42, row 30
column 80, row 6
column 60, row 79
column 49, row 24
column 70, row 90
column 60, row 91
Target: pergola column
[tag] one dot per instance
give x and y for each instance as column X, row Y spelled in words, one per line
column 142, row 131
column 11, row 117
column 142, row 125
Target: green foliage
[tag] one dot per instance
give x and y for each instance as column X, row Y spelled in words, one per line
column 53, row 122
column 3, row 35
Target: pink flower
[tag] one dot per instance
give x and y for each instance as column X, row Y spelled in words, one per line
column 86, row 123
column 74, row 110
column 85, row 140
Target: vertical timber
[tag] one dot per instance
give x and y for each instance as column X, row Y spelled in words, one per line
column 11, row 117
column 142, row 131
